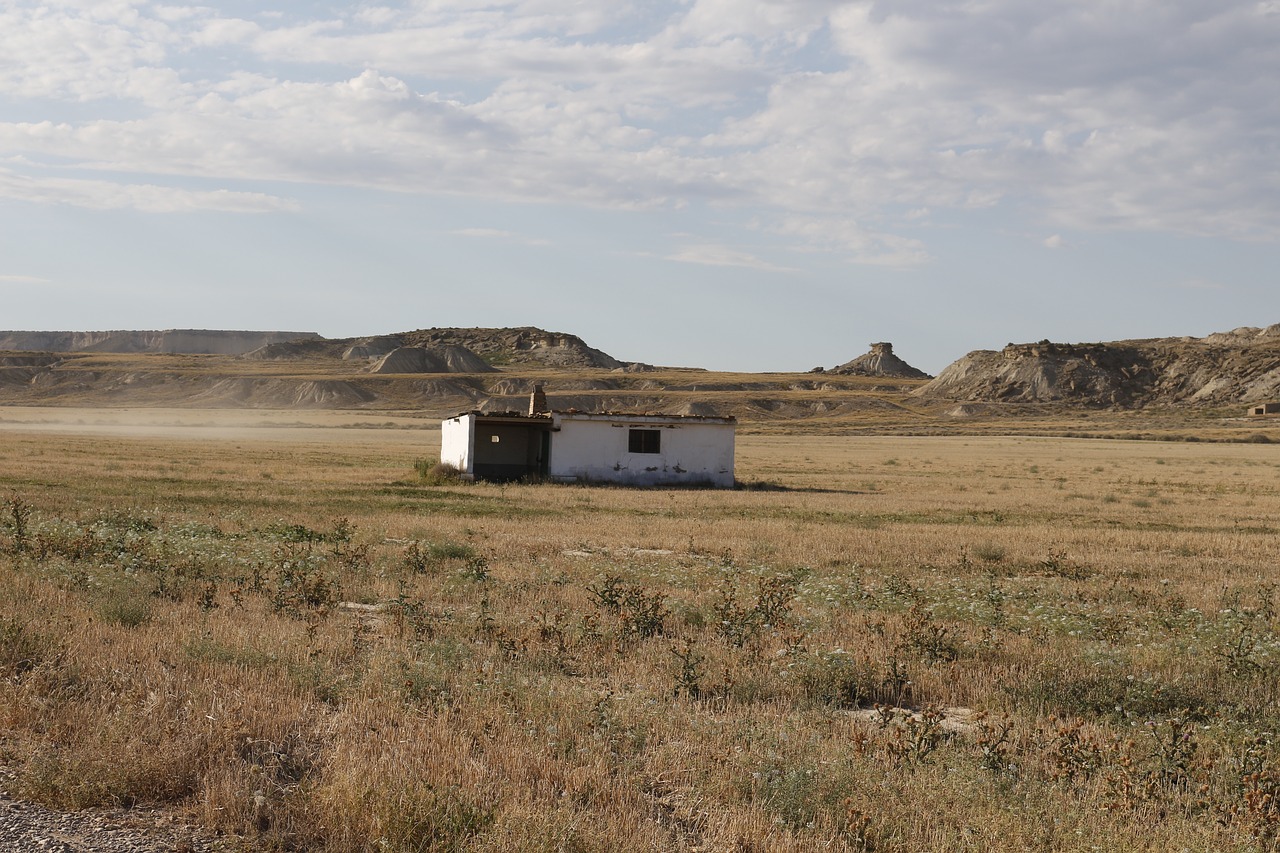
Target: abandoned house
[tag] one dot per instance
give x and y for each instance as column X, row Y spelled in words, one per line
column 1266, row 409
column 572, row 446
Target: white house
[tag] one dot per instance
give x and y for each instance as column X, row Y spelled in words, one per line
column 642, row 450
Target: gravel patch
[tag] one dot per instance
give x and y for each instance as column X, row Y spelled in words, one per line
column 30, row 828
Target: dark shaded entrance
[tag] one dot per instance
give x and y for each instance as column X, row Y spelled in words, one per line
column 507, row 450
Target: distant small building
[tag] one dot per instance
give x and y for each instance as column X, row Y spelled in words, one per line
column 631, row 449
column 1266, row 409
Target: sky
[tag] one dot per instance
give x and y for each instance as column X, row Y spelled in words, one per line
column 754, row 185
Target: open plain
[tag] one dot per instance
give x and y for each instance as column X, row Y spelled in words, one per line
column 273, row 625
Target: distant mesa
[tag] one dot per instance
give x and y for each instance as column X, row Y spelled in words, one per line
column 185, row 341
column 518, row 346
column 635, row 367
column 880, row 361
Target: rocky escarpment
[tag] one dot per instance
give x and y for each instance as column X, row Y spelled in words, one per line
column 1242, row 366
column 519, row 346
column 192, row 341
column 880, row 361
column 527, row 345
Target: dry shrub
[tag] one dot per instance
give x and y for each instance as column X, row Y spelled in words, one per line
column 384, row 780
column 147, row 748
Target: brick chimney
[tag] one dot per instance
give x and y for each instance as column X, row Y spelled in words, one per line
column 538, row 401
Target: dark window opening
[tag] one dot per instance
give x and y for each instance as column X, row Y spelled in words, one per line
column 644, row 441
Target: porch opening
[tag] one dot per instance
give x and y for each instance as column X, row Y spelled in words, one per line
column 511, row 451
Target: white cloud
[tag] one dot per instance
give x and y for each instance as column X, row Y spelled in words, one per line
column 1149, row 116
column 84, row 54
column 709, row 254
column 22, row 279
column 1054, row 241
column 498, row 234
column 828, row 121
column 148, row 198
column 225, row 31
column 846, row 236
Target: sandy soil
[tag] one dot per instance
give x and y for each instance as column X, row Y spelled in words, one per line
column 239, row 425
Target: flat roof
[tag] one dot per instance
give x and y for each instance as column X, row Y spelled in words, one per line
column 644, row 417
column 507, row 417
column 574, row 414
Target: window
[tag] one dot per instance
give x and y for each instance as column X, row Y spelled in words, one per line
column 644, row 441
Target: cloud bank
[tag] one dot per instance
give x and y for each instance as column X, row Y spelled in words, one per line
column 839, row 127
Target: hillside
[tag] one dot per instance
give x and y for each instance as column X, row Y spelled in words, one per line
column 396, row 382
column 1172, row 387
column 526, row 345
column 455, row 346
column 437, row 371
column 1237, row 367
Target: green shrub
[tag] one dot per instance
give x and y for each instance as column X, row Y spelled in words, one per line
column 742, row 624
column 989, row 552
column 21, row 648
column 793, row 794
column 433, row 472
column 832, row 678
column 428, row 817
column 294, row 533
column 1110, row 694
column 642, row 613
column 19, row 514
column 934, row 643
column 301, row 582
column 127, row 607
column 421, row 558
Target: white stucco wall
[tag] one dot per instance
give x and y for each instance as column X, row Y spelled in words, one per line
column 457, row 443
column 595, row 447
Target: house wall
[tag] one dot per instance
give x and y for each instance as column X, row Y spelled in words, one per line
column 597, row 450
column 457, row 443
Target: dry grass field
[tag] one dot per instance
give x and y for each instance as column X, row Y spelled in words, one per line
column 879, row 644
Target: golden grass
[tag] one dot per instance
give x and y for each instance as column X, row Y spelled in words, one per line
column 279, row 630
